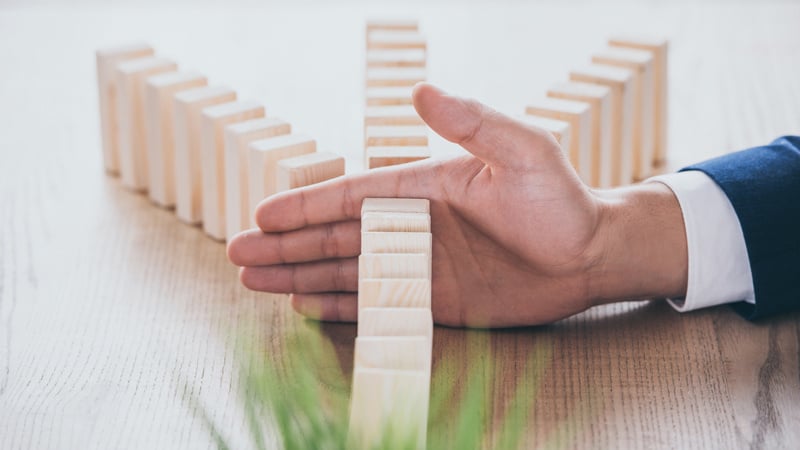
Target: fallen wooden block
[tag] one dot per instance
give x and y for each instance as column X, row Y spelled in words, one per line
column 160, row 130
column 308, row 169
column 393, row 352
column 392, row 25
column 392, row 156
column 411, row 292
column 390, row 40
column 396, row 58
column 620, row 81
column 395, row 77
column 393, row 136
column 264, row 157
column 130, row 76
column 394, row 265
column 391, row 115
column 188, row 182
column 395, row 242
column 579, row 116
column 389, row 96
column 238, row 138
column 659, row 47
column 396, row 205
column 395, row 221
column 107, row 60
column 558, row 128
column 395, row 321
column 600, row 98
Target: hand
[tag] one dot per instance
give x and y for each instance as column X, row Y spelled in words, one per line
column 518, row 239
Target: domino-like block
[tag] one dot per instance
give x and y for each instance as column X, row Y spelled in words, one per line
column 395, row 242
column 130, row 76
column 188, row 180
column 396, row 205
column 308, row 169
column 395, row 321
column 659, row 47
column 238, row 138
column 264, row 157
column 579, row 116
column 392, row 156
column 160, row 130
column 396, row 58
column 396, row 221
column 107, row 60
column 406, row 292
column 600, row 99
column 394, row 265
column 389, row 96
column 620, row 81
column 558, row 128
column 393, row 352
column 393, row 136
column 641, row 63
column 392, row 25
column 395, row 77
column 391, row 115
column 393, row 40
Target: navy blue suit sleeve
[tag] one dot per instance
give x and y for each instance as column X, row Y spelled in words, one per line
column 763, row 185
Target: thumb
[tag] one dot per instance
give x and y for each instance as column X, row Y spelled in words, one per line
column 494, row 138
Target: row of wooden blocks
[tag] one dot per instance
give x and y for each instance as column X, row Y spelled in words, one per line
column 392, row 369
column 611, row 117
column 196, row 147
column 396, row 61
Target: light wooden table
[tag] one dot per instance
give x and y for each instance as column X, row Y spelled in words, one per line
column 111, row 311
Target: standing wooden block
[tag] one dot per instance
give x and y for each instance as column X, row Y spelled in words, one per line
column 394, row 321
column 659, row 47
column 579, row 116
column 396, row 58
column 391, row 156
column 395, row 221
column 264, row 157
column 212, row 149
column 396, row 205
column 388, row 292
column 238, row 138
column 188, row 179
column 308, row 169
column 394, row 265
column 558, row 128
column 395, row 77
column 393, row 136
column 389, row 96
column 391, row 115
column 600, row 98
column 107, row 60
column 395, row 242
column 620, row 81
column 159, row 130
column 392, row 40
column 130, row 76
column 393, row 352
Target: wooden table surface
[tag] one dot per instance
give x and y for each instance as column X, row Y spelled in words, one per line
column 113, row 313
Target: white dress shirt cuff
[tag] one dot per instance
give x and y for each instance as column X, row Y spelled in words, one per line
column 719, row 269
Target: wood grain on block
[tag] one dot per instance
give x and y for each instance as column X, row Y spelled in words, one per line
column 644, row 114
column 558, row 128
column 160, row 130
column 388, row 402
column 188, row 179
column 263, row 164
column 393, row 135
column 579, row 116
column 600, row 99
column 388, row 292
column 389, row 96
column 395, row 242
column 308, row 169
column 130, row 76
column 393, row 265
column 395, row 221
column 392, row 156
column 212, row 149
column 392, row 25
column 393, row 352
column 396, row 205
column 395, row 321
column 659, row 47
column 620, row 81
column 396, row 58
column 392, row 40
column 107, row 60
column 395, row 77
column 391, row 115
column 238, row 138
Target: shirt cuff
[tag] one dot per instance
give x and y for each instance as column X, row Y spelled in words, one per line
column 719, row 268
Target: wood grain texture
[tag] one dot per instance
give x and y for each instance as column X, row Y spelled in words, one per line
column 404, row 283
column 308, row 169
column 391, row 156
column 395, row 321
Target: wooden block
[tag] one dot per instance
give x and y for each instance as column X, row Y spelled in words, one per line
column 558, row 128
column 392, row 156
column 160, row 130
column 395, row 77
column 396, row 58
column 392, row 40
column 659, row 47
column 264, row 157
column 392, row 25
column 188, row 179
column 238, row 138
column 389, row 402
column 130, row 76
column 619, row 80
column 600, row 98
column 107, row 60
column 391, row 115
column 395, row 221
column 393, row 292
column 579, row 116
column 644, row 114
column 393, row 265
column 396, row 205
column 395, row 242
column 393, row 352
column 395, row 321
column 308, row 169
column 393, row 136
column 389, row 96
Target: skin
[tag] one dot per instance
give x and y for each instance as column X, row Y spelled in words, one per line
column 518, row 239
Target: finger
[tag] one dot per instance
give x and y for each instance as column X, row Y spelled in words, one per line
column 329, row 306
column 327, row 241
column 321, row 276
column 494, row 138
